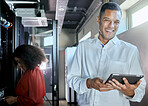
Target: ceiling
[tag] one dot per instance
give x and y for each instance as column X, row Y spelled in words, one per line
column 76, row 10
column 71, row 14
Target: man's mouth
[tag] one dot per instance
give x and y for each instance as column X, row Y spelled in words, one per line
column 109, row 30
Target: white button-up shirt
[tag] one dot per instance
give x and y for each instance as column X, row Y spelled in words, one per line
column 92, row 60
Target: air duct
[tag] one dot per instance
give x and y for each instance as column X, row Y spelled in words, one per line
column 29, row 18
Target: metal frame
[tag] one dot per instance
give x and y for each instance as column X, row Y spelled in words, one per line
column 55, row 72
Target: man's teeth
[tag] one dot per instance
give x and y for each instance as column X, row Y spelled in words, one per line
column 109, row 30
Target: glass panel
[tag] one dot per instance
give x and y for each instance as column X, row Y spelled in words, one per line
column 43, row 38
column 140, row 17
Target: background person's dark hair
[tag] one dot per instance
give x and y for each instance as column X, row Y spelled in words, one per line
column 30, row 55
column 110, row 6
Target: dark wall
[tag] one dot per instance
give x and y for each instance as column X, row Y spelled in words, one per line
column 139, row 37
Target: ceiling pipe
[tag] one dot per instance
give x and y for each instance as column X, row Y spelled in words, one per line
column 38, row 12
column 92, row 9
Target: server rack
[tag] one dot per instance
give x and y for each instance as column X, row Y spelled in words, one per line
column 6, row 49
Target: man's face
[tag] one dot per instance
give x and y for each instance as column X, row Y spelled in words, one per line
column 108, row 25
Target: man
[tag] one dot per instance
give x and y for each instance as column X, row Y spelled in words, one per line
column 95, row 59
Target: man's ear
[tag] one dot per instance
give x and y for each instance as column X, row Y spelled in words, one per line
column 98, row 20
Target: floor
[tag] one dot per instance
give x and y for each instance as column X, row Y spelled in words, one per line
column 61, row 103
column 64, row 103
column 48, row 101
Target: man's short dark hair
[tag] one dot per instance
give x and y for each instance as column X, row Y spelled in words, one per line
column 109, row 6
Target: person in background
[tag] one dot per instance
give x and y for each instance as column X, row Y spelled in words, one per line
column 95, row 59
column 30, row 89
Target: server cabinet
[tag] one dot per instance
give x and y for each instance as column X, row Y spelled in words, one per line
column 6, row 49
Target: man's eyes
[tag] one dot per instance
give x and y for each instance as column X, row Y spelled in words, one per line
column 107, row 20
column 116, row 22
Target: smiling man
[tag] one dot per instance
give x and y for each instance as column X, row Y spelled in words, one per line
column 108, row 24
column 95, row 59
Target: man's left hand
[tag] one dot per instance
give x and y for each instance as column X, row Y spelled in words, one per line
column 127, row 88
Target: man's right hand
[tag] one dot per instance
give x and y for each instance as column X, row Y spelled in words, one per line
column 98, row 84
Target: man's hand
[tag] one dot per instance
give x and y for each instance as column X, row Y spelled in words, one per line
column 98, row 84
column 127, row 88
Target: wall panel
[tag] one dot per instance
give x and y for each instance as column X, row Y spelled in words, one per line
column 139, row 37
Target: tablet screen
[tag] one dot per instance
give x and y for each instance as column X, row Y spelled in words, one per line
column 132, row 79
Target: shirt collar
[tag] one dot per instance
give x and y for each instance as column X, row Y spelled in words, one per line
column 101, row 43
column 113, row 41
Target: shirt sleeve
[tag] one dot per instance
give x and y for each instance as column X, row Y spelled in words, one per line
column 34, row 89
column 74, row 78
column 136, row 68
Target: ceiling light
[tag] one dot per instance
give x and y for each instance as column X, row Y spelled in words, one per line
column 61, row 9
column 20, row 2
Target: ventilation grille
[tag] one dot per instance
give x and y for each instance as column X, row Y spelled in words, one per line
column 34, row 21
column 28, row 12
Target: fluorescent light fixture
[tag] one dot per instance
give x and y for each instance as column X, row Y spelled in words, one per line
column 41, row 35
column 20, row 2
column 34, row 21
column 47, row 32
column 61, row 9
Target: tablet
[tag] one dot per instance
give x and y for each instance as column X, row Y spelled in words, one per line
column 132, row 79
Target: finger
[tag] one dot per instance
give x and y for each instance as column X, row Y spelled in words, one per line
column 6, row 100
column 114, row 85
column 6, row 97
column 118, row 84
column 96, row 84
column 108, row 84
column 100, row 84
column 138, row 83
column 100, row 80
column 126, row 82
column 106, row 89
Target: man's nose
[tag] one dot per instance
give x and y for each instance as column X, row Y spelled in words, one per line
column 111, row 24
